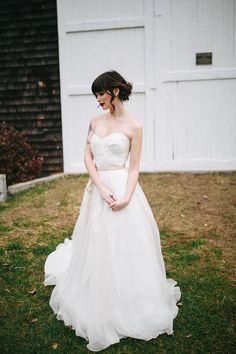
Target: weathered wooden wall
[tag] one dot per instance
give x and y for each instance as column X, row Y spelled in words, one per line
column 29, row 76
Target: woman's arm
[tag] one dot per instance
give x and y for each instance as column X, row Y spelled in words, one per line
column 133, row 172
column 92, row 171
column 88, row 159
column 135, row 155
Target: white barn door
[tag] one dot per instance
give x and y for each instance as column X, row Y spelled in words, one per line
column 195, row 125
column 96, row 36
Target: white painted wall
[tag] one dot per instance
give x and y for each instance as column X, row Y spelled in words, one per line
column 187, row 111
column 195, row 113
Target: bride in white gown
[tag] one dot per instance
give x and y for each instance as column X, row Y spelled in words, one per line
column 110, row 279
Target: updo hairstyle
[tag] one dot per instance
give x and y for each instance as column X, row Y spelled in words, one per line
column 110, row 80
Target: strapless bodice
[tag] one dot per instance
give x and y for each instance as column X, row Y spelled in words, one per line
column 111, row 151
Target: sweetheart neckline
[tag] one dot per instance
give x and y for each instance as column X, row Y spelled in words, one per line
column 108, row 135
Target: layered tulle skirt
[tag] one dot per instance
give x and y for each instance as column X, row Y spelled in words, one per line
column 110, row 276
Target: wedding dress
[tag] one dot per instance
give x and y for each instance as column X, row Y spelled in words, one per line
column 110, row 279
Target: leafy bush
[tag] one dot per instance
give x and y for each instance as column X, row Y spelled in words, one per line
column 18, row 160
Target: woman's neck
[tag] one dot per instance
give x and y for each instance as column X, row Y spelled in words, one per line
column 119, row 112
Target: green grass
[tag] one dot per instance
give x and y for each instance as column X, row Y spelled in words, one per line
column 204, row 324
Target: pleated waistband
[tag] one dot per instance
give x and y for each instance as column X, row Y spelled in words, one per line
column 110, row 168
column 89, row 186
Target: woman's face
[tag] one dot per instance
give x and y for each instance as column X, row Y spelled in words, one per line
column 103, row 99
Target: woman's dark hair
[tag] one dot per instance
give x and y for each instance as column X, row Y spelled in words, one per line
column 110, row 80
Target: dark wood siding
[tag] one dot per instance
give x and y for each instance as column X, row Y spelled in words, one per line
column 29, row 76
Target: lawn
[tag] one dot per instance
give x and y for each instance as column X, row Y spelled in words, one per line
column 196, row 215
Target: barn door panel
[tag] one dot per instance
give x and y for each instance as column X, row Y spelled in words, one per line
column 93, row 38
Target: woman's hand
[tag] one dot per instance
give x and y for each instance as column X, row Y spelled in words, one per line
column 108, row 195
column 118, row 204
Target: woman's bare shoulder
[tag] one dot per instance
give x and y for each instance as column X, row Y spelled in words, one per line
column 96, row 119
column 135, row 125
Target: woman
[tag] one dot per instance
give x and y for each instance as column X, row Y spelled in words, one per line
column 110, row 277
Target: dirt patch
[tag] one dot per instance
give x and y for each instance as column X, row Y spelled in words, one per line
column 195, row 205
column 189, row 205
